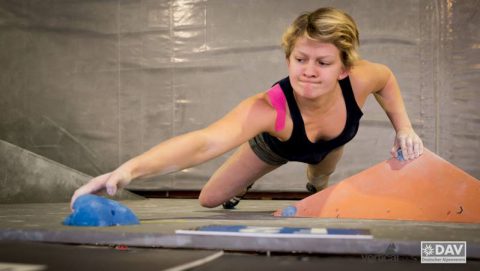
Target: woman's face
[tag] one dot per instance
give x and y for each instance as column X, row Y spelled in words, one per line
column 314, row 68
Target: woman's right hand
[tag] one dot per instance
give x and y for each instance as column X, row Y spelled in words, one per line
column 110, row 182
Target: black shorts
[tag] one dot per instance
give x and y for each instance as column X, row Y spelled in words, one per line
column 263, row 151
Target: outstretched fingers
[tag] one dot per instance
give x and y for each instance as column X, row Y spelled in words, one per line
column 94, row 186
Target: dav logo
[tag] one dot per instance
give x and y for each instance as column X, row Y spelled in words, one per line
column 444, row 252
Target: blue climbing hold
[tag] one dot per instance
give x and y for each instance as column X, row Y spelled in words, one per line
column 95, row 211
column 400, row 155
column 289, row 211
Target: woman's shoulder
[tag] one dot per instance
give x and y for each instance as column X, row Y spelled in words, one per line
column 269, row 97
column 259, row 105
column 257, row 102
column 368, row 71
column 367, row 77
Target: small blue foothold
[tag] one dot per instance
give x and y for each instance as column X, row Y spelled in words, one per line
column 95, row 211
column 289, row 211
column 400, row 155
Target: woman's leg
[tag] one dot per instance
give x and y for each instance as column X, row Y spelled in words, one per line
column 242, row 169
column 319, row 174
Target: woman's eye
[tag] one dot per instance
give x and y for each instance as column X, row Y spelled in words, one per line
column 300, row 60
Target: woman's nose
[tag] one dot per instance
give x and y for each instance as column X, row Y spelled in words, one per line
column 310, row 71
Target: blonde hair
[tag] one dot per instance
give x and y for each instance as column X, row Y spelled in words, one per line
column 329, row 25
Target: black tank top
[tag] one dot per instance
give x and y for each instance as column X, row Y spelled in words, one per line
column 298, row 147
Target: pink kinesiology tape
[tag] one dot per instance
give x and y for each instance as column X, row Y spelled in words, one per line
column 277, row 98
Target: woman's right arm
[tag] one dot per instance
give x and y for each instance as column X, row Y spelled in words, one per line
column 251, row 117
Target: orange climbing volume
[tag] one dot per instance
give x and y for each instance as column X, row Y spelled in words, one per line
column 425, row 189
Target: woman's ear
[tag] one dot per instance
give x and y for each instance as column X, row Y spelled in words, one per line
column 343, row 73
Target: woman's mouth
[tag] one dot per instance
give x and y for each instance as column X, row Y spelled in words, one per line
column 309, row 83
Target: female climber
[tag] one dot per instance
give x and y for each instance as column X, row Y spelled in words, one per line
column 307, row 116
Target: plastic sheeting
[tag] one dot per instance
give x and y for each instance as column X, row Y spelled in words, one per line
column 92, row 83
column 30, row 178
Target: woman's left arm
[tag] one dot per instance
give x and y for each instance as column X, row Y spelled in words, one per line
column 390, row 98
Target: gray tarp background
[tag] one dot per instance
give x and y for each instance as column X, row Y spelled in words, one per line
column 92, row 83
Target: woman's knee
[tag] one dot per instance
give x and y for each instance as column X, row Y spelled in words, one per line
column 317, row 182
column 208, row 199
column 315, row 174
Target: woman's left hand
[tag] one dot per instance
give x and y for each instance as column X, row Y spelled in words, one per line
column 409, row 142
